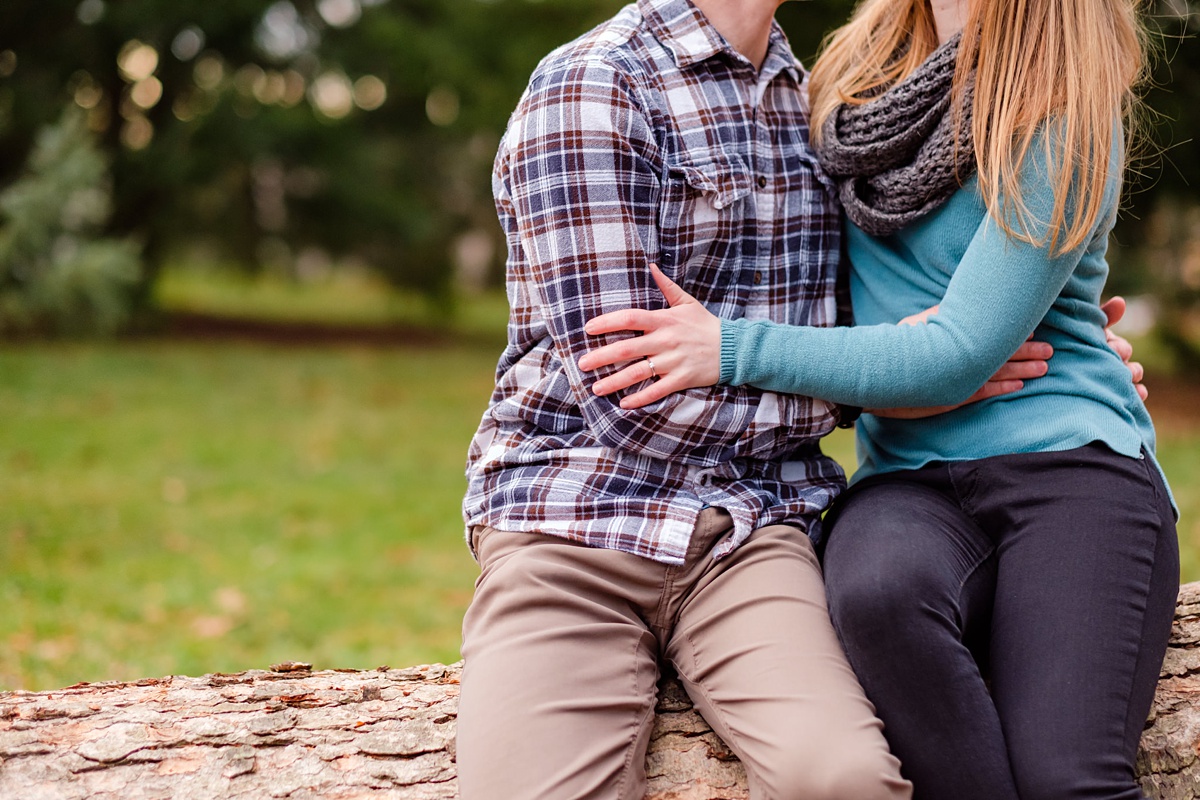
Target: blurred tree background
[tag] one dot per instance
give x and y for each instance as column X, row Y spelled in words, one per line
column 316, row 174
column 294, row 135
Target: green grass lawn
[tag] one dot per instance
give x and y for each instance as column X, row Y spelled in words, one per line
column 1179, row 455
column 169, row 507
column 173, row 508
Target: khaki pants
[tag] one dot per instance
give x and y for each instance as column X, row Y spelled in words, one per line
column 562, row 644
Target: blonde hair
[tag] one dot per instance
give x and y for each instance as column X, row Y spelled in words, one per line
column 1078, row 62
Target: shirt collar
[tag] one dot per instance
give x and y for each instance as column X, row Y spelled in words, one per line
column 691, row 38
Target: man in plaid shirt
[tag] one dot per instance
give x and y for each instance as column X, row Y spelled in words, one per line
column 609, row 539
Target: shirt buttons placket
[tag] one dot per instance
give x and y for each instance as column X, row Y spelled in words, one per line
column 762, row 181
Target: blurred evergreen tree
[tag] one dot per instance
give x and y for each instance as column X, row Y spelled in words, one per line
column 56, row 271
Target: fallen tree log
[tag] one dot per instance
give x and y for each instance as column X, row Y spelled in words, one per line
column 389, row 733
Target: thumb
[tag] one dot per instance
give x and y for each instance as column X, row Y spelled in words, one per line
column 675, row 295
column 1114, row 309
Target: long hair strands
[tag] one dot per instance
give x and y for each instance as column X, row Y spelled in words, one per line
column 1074, row 63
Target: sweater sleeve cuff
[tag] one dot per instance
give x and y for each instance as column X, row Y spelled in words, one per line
column 731, row 333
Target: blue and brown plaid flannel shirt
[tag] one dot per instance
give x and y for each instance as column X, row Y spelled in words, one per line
column 650, row 140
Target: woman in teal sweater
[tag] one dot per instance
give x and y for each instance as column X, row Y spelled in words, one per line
column 1002, row 575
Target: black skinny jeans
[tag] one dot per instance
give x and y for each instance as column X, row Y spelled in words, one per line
column 1008, row 618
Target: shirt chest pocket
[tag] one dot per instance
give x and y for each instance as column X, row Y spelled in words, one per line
column 702, row 229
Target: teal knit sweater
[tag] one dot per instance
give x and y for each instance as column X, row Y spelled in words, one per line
column 993, row 291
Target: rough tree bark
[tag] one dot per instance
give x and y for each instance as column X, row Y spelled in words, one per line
column 389, row 733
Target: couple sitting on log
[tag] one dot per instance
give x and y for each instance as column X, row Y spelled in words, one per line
column 1001, row 575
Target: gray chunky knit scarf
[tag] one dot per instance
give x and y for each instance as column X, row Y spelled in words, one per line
column 899, row 156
